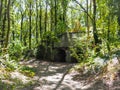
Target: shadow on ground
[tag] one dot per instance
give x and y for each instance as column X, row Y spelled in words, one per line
column 56, row 76
column 52, row 76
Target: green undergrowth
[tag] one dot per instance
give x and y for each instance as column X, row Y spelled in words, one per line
column 9, row 67
column 99, row 67
column 14, row 84
column 28, row 71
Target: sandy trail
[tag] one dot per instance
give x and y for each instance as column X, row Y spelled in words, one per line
column 56, row 76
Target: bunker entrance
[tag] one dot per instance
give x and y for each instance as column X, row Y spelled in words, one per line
column 62, row 48
column 60, row 55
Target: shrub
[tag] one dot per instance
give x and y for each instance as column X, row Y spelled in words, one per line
column 40, row 53
column 15, row 50
column 28, row 71
column 79, row 51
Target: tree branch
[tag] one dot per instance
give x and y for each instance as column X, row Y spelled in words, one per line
column 84, row 10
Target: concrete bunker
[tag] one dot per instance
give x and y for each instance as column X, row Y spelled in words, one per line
column 62, row 51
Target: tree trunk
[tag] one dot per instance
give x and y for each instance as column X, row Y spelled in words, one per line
column 4, row 24
column 108, row 35
column 87, row 21
column 1, row 6
column 30, row 28
column 40, row 19
column 64, row 3
column 51, row 15
column 46, row 16
column 119, row 26
column 95, row 35
column 13, row 24
column 13, row 31
column 36, row 22
column 55, row 14
column 22, row 16
column 8, row 31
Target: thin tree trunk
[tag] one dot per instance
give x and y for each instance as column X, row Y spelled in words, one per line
column 87, row 20
column 13, row 32
column 46, row 16
column 4, row 24
column 22, row 16
column 64, row 3
column 13, row 24
column 51, row 27
column 94, row 23
column 51, row 15
column 25, row 36
column 55, row 14
column 118, row 20
column 8, row 31
column 36, row 22
column 108, row 35
column 30, row 28
column 1, row 7
column 46, row 47
column 40, row 19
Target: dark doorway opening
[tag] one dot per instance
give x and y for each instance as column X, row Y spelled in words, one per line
column 60, row 55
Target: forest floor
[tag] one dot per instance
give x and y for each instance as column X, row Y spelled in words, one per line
column 59, row 76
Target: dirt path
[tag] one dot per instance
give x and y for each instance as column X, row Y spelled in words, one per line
column 56, row 76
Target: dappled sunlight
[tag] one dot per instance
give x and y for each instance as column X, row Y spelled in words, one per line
column 55, row 76
column 20, row 77
column 60, row 45
column 58, row 76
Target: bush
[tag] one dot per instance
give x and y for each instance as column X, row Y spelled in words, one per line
column 8, row 63
column 28, row 71
column 40, row 53
column 15, row 50
column 79, row 51
column 28, row 53
column 43, row 52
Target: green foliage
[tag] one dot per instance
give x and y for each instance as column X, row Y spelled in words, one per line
column 13, row 84
column 43, row 52
column 7, row 67
column 40, row 53
column 49, row 37
column 15, row 50
column 49, row 20
column 5, row 86
column 8, row 63
column 84, row 49
column 79, row 51
column 28, row 71
column 61, row 28
column 28, row 53
column 89, row 67
column 11, row 65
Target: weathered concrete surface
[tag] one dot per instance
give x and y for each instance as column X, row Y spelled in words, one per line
column 67, row 39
